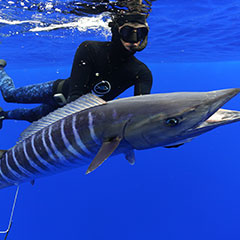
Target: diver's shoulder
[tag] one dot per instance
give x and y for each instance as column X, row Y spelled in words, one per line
column 140, row 63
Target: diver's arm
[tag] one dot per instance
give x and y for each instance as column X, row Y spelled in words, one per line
column 143, row 83
column 81, row 70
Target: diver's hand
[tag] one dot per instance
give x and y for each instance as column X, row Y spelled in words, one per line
column 72, row 98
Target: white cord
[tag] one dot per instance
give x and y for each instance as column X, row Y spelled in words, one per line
column 11, row 217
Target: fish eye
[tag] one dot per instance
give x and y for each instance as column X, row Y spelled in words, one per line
column 171, row 122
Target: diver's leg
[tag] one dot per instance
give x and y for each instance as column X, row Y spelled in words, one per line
column 37, row 93
column 29, row 115
column 5, row 81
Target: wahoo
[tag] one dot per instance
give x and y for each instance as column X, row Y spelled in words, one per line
column 90, row 130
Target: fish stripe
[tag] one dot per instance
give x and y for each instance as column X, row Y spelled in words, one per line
column 91, row 128
column 77, row 137
column 60, row 147
column 38, row 157
column 22, row 169
column 20, row 156
column 32, row 156
column 69, row 133
column 61, row 157
column 68, row 145
column 48, row 150
column 11, row 170
column 31, row 163
column 47, row 143
column 6, row 178
column 5, row 170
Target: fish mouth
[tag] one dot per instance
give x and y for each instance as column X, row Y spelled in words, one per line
column 216, row 116
column 221, row 117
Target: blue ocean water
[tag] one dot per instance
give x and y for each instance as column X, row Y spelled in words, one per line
column 191, row 192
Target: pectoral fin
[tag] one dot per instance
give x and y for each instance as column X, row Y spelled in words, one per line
column 105, row 151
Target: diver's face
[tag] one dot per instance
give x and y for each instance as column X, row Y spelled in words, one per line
column 132, row 34
column 130, row 46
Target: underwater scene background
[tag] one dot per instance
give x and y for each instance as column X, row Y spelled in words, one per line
column 191, row 192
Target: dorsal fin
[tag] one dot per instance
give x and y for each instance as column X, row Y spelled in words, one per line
column 84, row 102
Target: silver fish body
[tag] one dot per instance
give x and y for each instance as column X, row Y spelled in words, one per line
column 71, row 136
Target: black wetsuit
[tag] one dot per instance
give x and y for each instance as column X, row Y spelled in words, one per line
column 103, row 68
column 106, row 69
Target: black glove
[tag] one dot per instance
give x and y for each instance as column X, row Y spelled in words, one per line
column 2, row 116
column 72, row 98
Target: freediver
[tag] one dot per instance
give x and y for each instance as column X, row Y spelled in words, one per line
column 105, row 69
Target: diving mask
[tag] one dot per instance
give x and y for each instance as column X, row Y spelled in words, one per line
column 133, row 34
